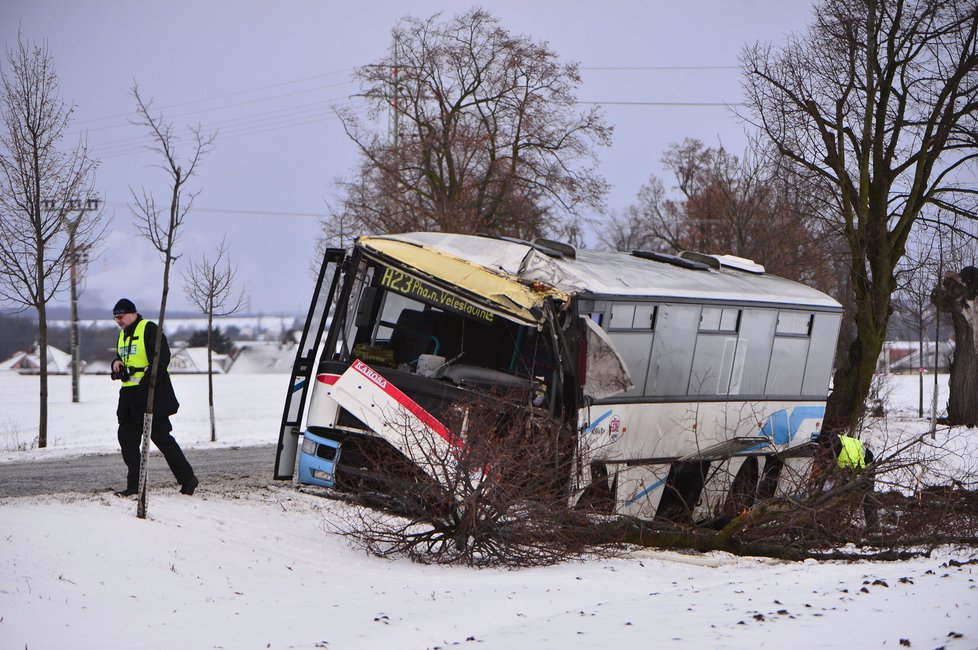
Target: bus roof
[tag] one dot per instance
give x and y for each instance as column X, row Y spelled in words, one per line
column 614, row 273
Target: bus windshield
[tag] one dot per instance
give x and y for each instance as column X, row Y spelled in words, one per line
column 396, row 320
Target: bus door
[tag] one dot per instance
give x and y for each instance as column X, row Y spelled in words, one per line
column 321, row 311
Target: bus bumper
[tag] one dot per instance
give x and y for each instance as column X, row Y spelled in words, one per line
column 318, row 457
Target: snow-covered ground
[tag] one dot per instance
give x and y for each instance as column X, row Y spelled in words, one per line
column 235, row 570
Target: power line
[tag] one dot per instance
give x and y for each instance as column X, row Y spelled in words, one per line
column 663, row 67
column 238, row 104
column 348, row 71
column 622, row 103
column 135, row 148
column 303, row 114
column 234, row 127
column 260, row 213
column 232, row 94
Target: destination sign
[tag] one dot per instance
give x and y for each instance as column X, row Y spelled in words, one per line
column 412, row 287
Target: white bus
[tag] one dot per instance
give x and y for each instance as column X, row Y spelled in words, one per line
column 687, row 381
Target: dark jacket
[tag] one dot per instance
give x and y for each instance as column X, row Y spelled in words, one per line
column 164, row 399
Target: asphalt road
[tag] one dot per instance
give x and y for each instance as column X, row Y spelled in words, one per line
column 222, row 468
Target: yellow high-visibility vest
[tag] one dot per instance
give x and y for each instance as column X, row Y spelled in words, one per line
column 132, row 351
column 852, row 455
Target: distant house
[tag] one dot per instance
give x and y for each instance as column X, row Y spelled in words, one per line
column 194, row 360
column 28, row 362
column 256, row 357
column 905, row 356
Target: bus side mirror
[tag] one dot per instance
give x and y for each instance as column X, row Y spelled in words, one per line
column 365, row 308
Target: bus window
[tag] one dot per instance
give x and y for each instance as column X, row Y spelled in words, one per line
column 789, row 355
column 712, row 363
column 672, row 351
column 630, row 330
column 622, row 316
column 793, row 322
column 644, row 317
column 634, row 348
column 819, row 368
column 390, row 313
column 719, row 319
column 754, row 342
column 625, row 316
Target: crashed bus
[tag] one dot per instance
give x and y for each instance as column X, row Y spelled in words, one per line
column 685, row 381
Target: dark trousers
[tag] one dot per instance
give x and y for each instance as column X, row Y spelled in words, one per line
column 132, row 405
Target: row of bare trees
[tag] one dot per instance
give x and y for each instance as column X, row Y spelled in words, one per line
column 743, row 207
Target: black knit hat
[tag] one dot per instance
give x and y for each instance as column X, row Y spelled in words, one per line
column 124, row 306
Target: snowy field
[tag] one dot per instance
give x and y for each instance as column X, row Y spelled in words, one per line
column 224, row 569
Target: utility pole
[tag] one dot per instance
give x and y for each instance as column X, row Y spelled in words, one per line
column 75, row 257
column 395, row 113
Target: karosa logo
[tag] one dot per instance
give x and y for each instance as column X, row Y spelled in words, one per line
column 369, row 373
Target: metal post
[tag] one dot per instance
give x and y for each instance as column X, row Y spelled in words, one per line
column 75, row 353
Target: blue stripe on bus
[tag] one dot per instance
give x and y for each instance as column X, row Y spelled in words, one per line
column 776, row 428
column 644, row 492
column 600, row 419
column 801, row 413
column 782, row 428
column 297, row 387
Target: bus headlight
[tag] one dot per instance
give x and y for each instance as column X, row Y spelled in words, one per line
column 309, row 446
column 322, row 476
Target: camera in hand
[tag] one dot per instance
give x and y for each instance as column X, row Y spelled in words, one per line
column 122, row 373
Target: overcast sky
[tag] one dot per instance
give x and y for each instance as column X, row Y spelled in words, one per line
column 265, row 75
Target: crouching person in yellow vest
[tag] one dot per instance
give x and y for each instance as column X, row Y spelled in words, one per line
column 854, row 460
column 136, row 347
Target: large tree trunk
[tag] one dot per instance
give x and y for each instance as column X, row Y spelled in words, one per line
column 854, row 373
column 851, row 384
column 957, row 294
column 42, row 360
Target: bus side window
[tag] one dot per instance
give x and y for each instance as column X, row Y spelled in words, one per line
column 630, row 330
column 672, row 352
column 716, row 344
column 754, row 341
column 789, row 355
column 825, row 331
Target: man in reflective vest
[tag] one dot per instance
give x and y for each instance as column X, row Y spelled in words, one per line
column 852, row 457
column 851, row 453
column 136, row 347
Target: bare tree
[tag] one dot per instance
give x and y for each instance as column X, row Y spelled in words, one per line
column 728, row 205
column 39, row 184
column 500, row 499
column 209, row 285
column 484, row 136
column 877, row 103
column 162, row 231
column 497, row 496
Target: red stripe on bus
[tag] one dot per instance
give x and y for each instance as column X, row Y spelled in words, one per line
column 413, row 407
